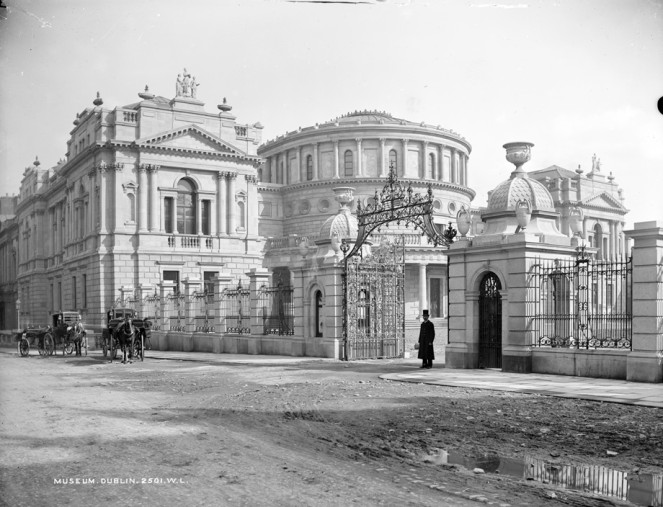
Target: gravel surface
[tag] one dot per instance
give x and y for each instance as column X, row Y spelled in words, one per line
column 82, row 431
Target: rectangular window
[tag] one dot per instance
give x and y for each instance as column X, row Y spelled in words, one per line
column 84, row 291
column 59, row 307
column 51, row 299
column 172, row 276
column 74, row 295
column 208, row 282
column 205, row 211
column 168, row 212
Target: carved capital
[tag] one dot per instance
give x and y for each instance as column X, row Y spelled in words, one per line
column 231, row 176
column 251, row 178
column 383, row 140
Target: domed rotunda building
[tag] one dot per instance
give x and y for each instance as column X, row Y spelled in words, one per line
column 302, row 168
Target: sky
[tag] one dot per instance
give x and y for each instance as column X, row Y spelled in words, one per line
column 574, row 77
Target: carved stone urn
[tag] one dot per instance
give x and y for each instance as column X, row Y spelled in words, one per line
column 518, row 153
column 463, row 220
column 575, row 221
column 523, row 213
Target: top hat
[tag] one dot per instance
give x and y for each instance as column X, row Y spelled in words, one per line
column 425, row 313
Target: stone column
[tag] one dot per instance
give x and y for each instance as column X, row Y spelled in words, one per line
column 251, row 206
column 92, row 206
column 166, row 288
column 155, row 221
column 230, row 200
column 336, row 171
column 101, row 171
column 302, row 175
column 645, row 361
column 383, row 162
column 257, row 278
column 221, row 283
column 125, row 293
column 286, row 168
column 315, row 162
column 144, row 290
column 423, row 300
column 360, row 169
column 440, row 161
column 424, row 161
column 404, row 170
column 191, row 286
column 467, row 177
column 453, row 170
column 142, row 197
column 268, row 177
column 221, row 200
column 199, row 215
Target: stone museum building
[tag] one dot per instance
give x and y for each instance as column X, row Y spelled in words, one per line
column 163, row 197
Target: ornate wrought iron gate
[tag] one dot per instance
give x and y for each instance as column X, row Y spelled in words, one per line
column 375, row 304
column 490, row 322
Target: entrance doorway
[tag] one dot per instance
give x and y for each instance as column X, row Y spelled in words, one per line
column 490, row 322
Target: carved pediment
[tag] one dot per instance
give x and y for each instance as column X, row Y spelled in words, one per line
column 190, row 138
column 604, row 200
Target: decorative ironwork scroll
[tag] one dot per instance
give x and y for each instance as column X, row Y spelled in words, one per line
column 396, row 203
column 235, row 306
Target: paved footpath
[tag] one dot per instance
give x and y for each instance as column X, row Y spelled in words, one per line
column 614, row 391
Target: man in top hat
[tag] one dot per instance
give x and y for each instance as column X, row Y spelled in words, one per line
column 426, row 337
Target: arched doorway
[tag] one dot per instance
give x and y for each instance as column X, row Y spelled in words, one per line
column 490, row 322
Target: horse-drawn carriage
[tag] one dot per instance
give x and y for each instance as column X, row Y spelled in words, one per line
column 66, row 331
column 127, row 332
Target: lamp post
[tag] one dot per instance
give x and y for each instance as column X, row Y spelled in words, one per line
column 18, row 314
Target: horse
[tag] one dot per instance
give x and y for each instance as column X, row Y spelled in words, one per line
column 125, row 333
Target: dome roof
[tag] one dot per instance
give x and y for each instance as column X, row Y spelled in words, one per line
column 343, row 223
column 518, row 188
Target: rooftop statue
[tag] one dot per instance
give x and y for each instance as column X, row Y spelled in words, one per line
column 186, row 85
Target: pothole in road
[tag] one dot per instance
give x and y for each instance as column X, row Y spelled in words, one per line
column 639, row 489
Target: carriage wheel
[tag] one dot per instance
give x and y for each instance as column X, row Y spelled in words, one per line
column 49, row 344
column 104, row 340
column 23, row 347
column 68, row 348
column 113, row 348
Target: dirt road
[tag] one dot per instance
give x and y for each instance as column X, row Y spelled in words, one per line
column 81, row 431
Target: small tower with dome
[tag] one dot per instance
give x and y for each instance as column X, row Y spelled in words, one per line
column 488, row 273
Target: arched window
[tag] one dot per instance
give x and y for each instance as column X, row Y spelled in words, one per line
column 186, row 207
column 431, row 164
column 309, row 168
column 242, row 215
column 393, row 161
column 348, row 163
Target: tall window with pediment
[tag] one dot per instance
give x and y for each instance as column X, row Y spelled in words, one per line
column 186, row 207
column 309, row 168
column 347, row 161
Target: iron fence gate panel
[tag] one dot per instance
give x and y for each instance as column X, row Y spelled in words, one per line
column 278, row 313
column 236, row 310
column 175, row 311
column 152, row 310
column 202, row 306
column 374, row 304
column 490, row 322
column 581, row 303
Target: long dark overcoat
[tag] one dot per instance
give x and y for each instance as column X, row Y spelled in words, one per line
column 426, row 337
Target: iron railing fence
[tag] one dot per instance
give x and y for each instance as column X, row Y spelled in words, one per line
column 235, row 308
column 278, row 312
column 203, row 307
column 580, row 303
column 175, row 311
